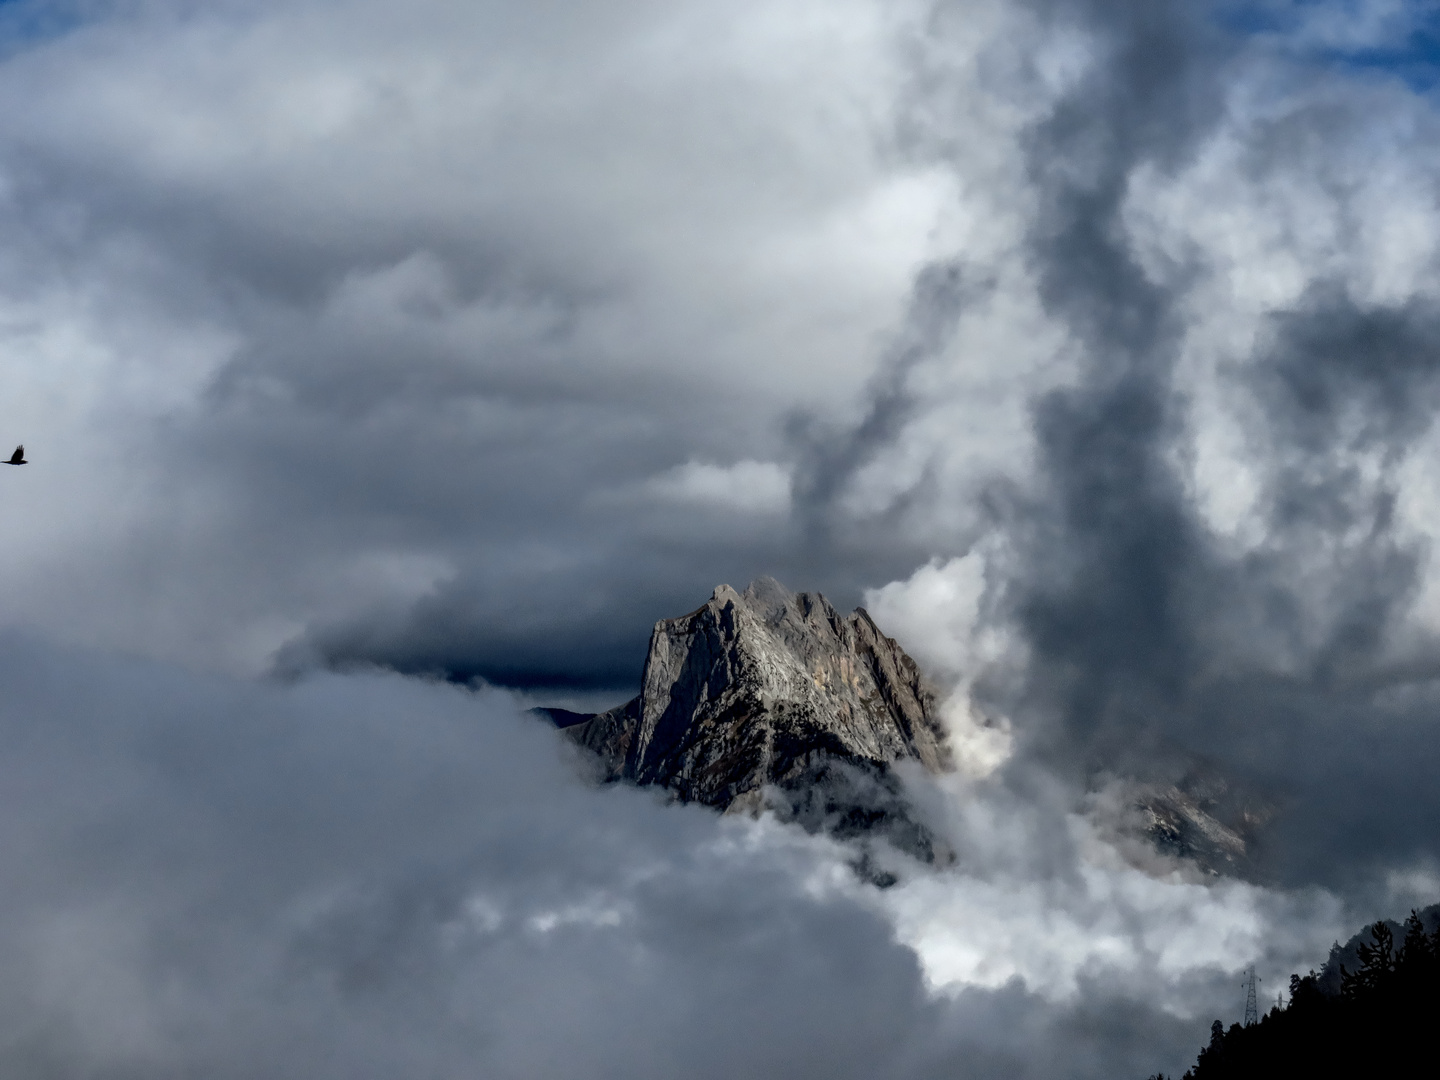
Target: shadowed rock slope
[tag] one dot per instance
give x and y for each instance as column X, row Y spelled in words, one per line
column 1203, row 819
column 1207, row 820
column 772, row 699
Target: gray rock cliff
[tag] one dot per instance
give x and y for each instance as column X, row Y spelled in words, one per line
column 1202, row 819
column 772, row 699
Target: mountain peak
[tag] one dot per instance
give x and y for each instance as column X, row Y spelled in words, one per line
column 767, row 690
column 767, row 595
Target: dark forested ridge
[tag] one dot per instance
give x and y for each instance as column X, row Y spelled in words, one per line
column 1367, row 1013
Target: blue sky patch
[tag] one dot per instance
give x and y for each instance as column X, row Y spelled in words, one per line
column 1401, row 40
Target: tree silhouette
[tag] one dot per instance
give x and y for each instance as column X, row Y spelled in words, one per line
column 1378, row 1024
column 1377, row 961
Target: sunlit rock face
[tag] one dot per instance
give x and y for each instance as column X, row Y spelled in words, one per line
column 1179, row 824
column 767, row 699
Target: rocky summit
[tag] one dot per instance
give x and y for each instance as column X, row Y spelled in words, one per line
column 768, row 699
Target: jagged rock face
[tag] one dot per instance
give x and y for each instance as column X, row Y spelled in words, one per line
column 768, row 688
column 1178, row 826
column 1203, row 819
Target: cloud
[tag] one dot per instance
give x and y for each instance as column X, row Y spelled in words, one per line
column 417, row 290
column 359, row 875
column 936, row 615
column 362, row 875
column 1270, row 643
column 756, row 487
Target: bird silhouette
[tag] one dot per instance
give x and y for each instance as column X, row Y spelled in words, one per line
column 18, row 458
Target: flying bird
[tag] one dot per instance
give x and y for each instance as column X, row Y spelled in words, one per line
column 18, row 457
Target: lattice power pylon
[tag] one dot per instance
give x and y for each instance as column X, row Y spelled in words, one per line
column 1252, row 1013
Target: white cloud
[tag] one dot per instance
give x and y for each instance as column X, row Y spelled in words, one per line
column 754, row 487
column 993, row 920
column 936, row 615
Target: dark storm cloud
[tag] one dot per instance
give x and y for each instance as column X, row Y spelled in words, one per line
column 831, row 463
column 1099, row 593
column 1342, row 393
column 1340, row 386
column 1109, row 544
column 583, row 617
column 1122, row 545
